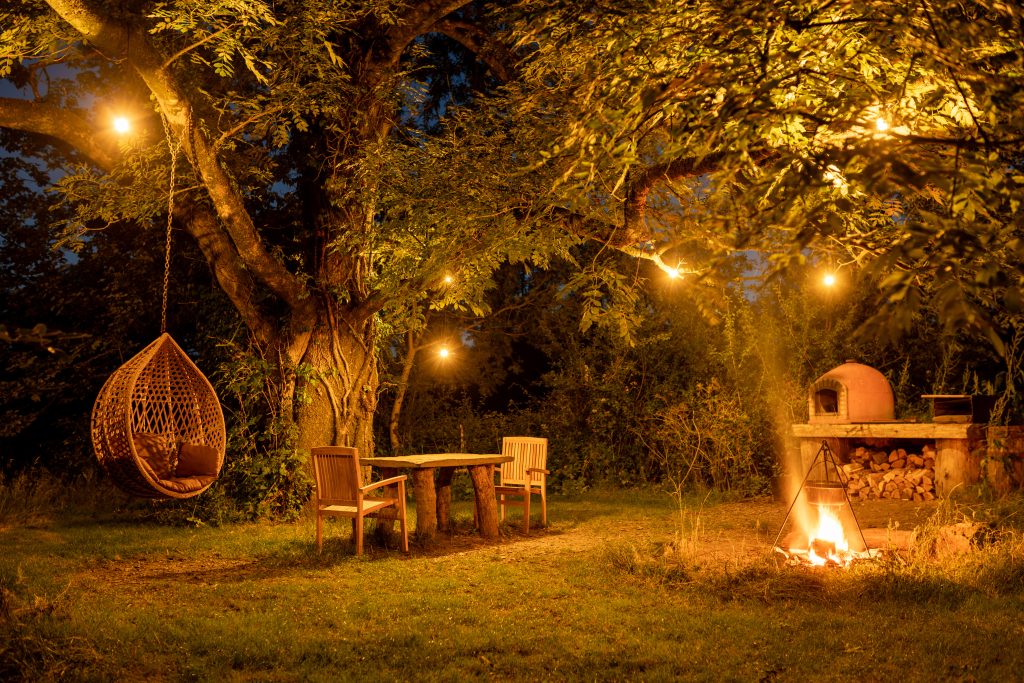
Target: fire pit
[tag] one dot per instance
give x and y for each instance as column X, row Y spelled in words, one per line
column 824, row 515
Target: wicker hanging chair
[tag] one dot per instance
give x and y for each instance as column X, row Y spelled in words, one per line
column 157, row 426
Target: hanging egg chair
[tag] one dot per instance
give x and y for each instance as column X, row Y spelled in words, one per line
column 157, row 426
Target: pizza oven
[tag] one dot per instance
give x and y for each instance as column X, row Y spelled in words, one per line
column 851, row 392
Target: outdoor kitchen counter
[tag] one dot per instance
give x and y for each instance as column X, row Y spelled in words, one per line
column 434, row 499
column 959, row 446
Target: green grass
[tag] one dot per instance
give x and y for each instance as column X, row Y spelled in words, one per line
column 619, row 586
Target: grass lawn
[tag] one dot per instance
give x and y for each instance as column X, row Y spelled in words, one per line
column 619, row 586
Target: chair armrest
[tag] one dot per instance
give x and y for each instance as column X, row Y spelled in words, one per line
column 384, row 482
column 537, row 469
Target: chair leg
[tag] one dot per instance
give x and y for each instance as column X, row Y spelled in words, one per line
column 359, row 534
column 544, row 507
column 526, row 511
column 501, row 504
column 319, row 532
column 401, row 517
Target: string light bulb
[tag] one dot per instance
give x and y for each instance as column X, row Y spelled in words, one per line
column 444, row 352
column 829, row 280
column 122, row 125
column 448, row 279
column 881, row 125
column 673, row 273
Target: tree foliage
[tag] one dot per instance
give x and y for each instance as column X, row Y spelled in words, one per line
column 336, row 161
column 886, row 135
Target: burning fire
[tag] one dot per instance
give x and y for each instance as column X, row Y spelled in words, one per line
column 823, row 517
column 828, row 542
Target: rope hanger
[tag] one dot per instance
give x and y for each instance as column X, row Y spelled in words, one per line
column 173, row 149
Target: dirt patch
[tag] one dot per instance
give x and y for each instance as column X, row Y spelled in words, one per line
column 163, row 569
column 714, row 534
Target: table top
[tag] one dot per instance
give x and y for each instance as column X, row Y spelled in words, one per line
column 425, row 460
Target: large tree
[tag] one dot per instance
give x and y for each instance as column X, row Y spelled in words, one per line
column 286, row 117
column 331, row 182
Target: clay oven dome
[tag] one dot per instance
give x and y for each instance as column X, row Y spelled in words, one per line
column 851, row 392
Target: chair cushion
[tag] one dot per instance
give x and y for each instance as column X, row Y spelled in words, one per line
column 196, row 460
column 186, row 484
column 156, row 451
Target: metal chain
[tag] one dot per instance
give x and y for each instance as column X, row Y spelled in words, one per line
column 173, row 148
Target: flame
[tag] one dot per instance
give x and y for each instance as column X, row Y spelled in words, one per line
column 828, row 542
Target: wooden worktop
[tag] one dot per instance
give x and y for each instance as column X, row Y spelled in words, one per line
column 890, row 430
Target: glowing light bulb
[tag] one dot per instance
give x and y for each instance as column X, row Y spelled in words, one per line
column 448, row 279
column 829, row 280
column 673, row 273
column 122, row 125
column 443, row 352
column 881, row 125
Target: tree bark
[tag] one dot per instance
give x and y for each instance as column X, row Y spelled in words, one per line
column 444, row 498
column 426, row 503
column 337, row 383
column 486, row 505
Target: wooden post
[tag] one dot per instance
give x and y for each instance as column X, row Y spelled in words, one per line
column 444, row 498
column 809, row 449
column 957, row 463
column 426, row 507
column 486, row 505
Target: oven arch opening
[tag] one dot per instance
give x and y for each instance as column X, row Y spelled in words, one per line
column 826, row 402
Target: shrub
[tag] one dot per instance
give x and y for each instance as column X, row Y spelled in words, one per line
column 29, row 497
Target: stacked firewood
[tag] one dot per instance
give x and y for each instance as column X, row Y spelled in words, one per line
column 894, row 474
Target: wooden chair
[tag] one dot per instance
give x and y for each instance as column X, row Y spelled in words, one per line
column 340, row 491
column 524, row 476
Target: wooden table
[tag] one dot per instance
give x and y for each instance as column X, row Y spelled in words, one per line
column 434, row 499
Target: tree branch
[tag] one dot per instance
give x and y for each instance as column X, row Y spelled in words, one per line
column 228, row 268
column 482, row 43
column 403, row 387
column 118, row 40
column 62, row 125
column 588, row 227
column 640, row 183
column 199, row 43
column 242, row 125
column 75, row 131
column 421, row 18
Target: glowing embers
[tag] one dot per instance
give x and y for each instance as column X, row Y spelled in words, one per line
column 824, row 521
